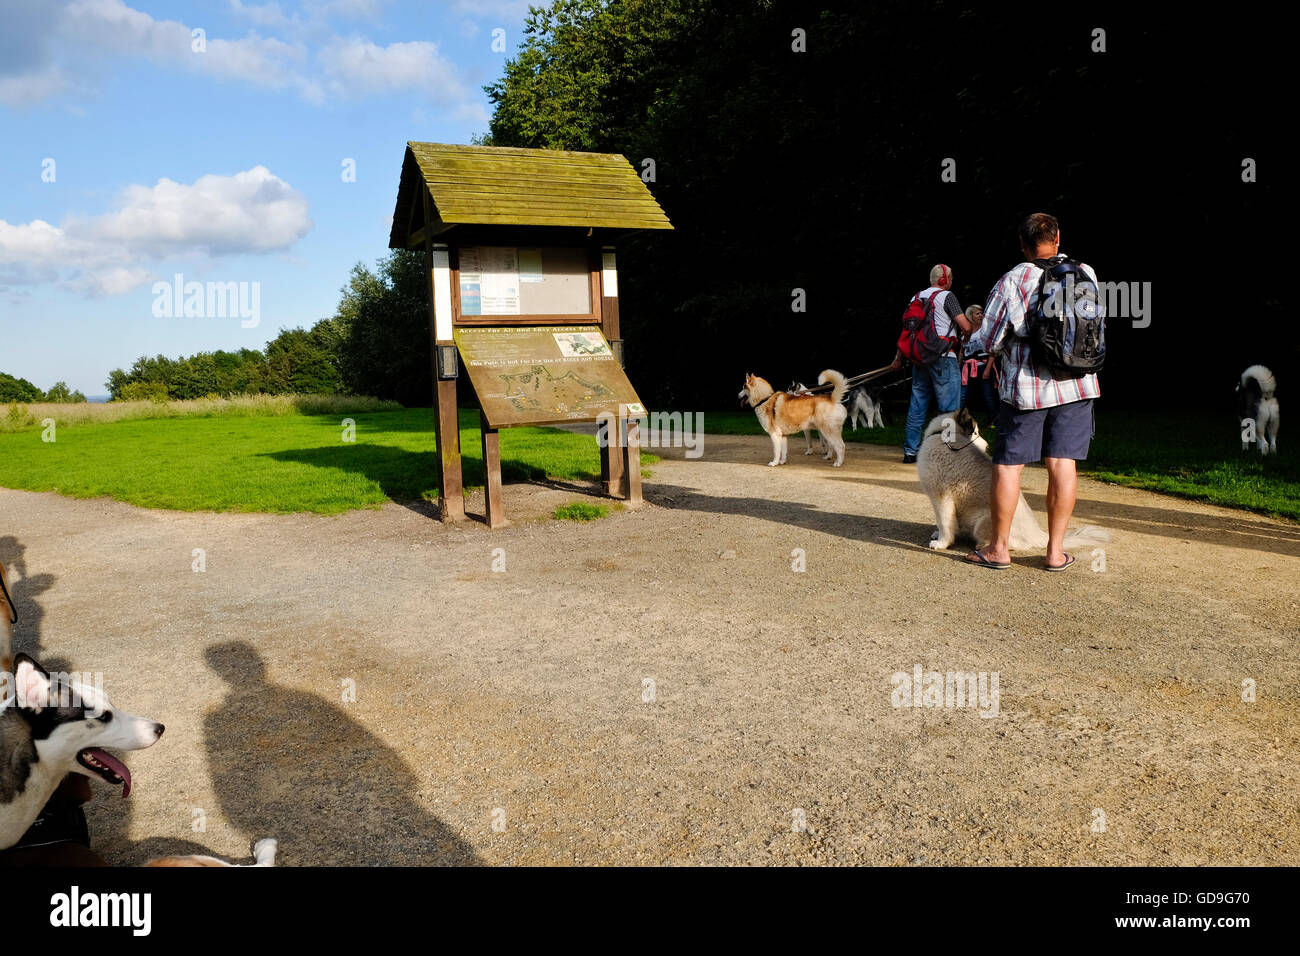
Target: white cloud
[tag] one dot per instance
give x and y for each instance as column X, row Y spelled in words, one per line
column 64, row 46
column 251, row 212
column 357, row 66
column 111, row 27
column 116, row 281
column 22, row 89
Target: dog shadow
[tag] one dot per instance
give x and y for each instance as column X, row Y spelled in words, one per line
column 26, row 591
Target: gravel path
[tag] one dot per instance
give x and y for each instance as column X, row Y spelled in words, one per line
column 521, row 698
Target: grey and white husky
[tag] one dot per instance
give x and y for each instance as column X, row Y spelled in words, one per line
column 52, row 725
column 864, row 404
column 1256, row 401
column 956, row 473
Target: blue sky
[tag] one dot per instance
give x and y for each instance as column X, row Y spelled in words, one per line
column 223, row 164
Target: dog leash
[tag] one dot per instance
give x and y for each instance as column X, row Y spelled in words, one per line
column 973, row 436
column 853, row 381
column 13, row 608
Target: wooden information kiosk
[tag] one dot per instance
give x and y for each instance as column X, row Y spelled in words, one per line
column 523, row 292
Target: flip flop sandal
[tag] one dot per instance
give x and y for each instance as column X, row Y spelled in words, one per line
column 984, row 562
column 1069, row 560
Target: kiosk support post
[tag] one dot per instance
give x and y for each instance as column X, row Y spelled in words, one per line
column 451, row 498
column 611, row 457
column 613, row 451
column 631, row 484
column 494, row 511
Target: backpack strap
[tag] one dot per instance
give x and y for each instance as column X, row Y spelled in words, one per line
column 950, row 338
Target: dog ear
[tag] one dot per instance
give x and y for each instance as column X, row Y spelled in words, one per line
column 32, row 684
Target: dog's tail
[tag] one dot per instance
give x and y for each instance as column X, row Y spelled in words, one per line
column 1027, row 533
column 1267, row 383
column 1086, row 537
column 830, row 375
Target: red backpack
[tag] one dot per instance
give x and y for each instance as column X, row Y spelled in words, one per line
column 920, row 341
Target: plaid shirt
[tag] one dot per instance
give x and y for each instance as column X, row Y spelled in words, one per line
column 1024, row 384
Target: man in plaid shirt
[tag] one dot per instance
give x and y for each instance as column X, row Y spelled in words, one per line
column 1039, row 415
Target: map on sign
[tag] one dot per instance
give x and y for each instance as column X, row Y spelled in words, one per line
column 536, row 375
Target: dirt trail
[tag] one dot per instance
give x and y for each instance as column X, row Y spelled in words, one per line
column 517, row 696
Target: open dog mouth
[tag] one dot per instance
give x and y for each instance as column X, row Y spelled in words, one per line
column 107, row 767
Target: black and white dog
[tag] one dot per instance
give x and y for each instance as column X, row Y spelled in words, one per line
column 51, row 726
column 864, row 404
column 1257, row 409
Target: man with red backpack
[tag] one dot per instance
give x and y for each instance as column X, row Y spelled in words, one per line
column 932, row 325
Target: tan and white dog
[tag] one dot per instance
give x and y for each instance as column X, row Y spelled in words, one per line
column 956, row 472
column 53, row 725
column 782, row 414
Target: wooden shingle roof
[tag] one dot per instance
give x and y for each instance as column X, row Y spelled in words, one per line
column 497, row 185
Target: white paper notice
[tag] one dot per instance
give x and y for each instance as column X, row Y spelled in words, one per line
column 441, row 294
column 500, row 281
column 609, row 275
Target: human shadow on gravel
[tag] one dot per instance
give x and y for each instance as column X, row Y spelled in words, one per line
column 891, row 532
column 291, row 765
column 26, row 590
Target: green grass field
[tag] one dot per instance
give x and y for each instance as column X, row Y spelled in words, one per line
column 276, row 464
column 1189, row 456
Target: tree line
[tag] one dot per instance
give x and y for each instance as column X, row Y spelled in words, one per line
column 14, row 389
column 376, row 344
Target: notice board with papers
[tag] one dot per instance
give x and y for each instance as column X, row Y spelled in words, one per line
column 505, row 282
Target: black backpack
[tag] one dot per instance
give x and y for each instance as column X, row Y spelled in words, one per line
column 1067, row 327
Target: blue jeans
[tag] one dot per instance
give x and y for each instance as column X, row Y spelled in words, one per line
column 940, row 383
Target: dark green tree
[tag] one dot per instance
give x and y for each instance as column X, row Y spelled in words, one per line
column 382, row 326
column 18, row 390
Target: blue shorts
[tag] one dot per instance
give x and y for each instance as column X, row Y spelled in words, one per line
column 1028, row 434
